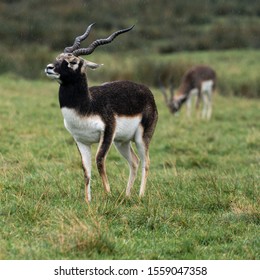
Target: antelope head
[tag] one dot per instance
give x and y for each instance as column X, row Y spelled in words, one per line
column 171, row 102
column 69, row 64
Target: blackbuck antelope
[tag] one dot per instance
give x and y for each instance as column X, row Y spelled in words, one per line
column 115, row 112
column 199, row 81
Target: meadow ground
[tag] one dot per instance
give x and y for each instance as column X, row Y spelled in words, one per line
column 202, row 199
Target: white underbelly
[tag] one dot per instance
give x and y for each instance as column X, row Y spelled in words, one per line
column 88, row 130
column 126, row 128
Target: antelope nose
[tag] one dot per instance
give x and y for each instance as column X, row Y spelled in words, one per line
column 50, row 71
column 50, row 67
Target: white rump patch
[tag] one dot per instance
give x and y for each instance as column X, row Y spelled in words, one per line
column 206, row 86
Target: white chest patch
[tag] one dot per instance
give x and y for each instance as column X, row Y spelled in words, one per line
column 86, row 130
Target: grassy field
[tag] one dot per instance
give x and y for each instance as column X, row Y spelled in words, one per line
column 202, row 199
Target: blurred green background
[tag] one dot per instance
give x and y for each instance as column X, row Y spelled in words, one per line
column 32, row 32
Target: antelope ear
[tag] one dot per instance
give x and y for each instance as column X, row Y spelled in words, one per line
column 91, row 65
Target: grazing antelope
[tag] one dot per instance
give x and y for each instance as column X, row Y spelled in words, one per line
column 199, row 81
column 115, row 112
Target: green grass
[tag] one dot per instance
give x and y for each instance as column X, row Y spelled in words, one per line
column 202, row 199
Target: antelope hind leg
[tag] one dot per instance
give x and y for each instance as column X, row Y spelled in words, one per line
column 128, row 153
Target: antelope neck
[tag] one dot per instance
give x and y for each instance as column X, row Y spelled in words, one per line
column 74, row 94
